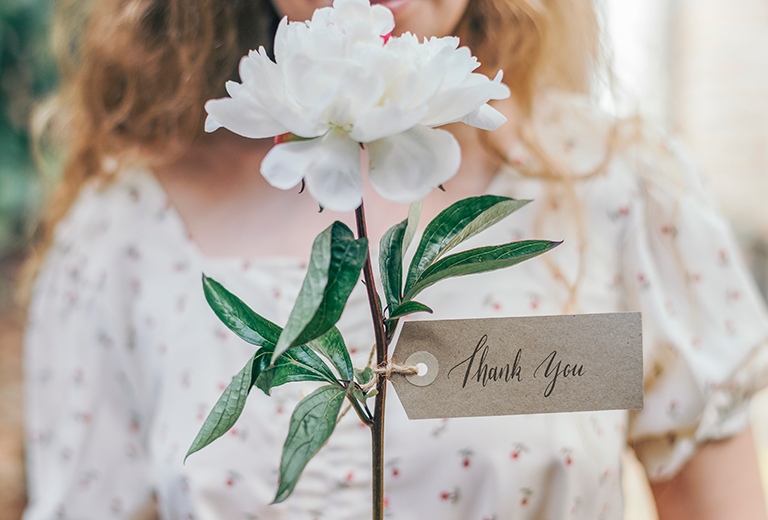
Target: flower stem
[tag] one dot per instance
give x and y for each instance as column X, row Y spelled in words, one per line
column 377, row 430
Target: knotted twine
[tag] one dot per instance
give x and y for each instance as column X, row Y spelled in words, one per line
column 391, row 368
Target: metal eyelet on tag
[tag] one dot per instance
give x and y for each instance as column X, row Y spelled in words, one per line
column 427, row 359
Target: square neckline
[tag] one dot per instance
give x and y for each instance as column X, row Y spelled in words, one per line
column 148, row 177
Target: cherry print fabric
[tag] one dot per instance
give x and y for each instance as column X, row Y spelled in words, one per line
column 124, row 359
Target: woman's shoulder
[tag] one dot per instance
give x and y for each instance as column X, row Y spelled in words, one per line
column 583, row 141
column 113, row 211
column 112, row 222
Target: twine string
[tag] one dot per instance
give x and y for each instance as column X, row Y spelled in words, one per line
column 394, row 368
column 391, row 368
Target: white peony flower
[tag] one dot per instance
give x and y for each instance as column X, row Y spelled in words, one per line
column 340, row 80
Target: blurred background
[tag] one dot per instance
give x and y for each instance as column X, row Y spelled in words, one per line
column 27, row 73
column 695, row 68
column 698, row 69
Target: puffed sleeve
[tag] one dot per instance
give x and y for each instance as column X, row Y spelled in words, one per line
column 704, row 323
column 86, row 412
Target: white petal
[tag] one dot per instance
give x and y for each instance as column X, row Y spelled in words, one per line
column 211, row 125
column 285, row 164
column 405, row 167
column 452, row 105
column 265, row 83
column 413, row 89
column 330, row 165
column 446, row 59
column 306, row 78
column 351, row 9
column 333, row 177
column 297, row 122
column 383, row 20
column 280, row 47
column 323, row 16
column 378, row 60
column 381, row 122
column 359, row 93
column 485, row 118
column 241, row 116
column 255, row 68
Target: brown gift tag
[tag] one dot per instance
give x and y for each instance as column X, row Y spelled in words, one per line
column 507, row 366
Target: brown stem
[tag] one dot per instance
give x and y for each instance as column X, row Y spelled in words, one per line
column 377, row 430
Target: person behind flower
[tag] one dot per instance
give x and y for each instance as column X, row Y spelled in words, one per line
column 124, row 358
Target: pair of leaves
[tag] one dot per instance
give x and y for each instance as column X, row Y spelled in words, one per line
column 295, row 364
column 364, row 375
column 303, row 364
column 452, row 226
column 300, row 363
column 259, row 331
column 334, row 268
column 312, row 422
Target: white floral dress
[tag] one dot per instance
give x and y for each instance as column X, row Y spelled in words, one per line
column 124, row 358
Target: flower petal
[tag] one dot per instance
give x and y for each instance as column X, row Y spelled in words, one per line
column 334, row 177
column 453, row 104
column 265, row 82
column 382, row 19
column 306, row 77
column 380, row 122
column 405, row 167
column 285, row 164
column 242, row 115
column 330, row 165
column 485, row 118
column 281, row 48
column 374, row 20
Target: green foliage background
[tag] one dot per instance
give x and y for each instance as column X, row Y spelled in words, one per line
column 27, row 73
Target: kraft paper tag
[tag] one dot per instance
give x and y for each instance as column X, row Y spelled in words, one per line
column 508, row 366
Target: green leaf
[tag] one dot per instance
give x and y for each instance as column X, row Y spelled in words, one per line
column 409, row 308
column 295, row 364
column 312, row 423
column 414, row 214
column 480, row 260
column 334, row 268
column 226, row 410
column 392, row 248
column 238, row 316
column 391, row 263
column 456, row 224
column 363, row 376
column 331, row 345
column 356, row 393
